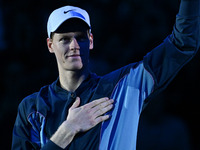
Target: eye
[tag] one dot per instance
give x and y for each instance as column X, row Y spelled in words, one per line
column 81, row 38
column 65, row 39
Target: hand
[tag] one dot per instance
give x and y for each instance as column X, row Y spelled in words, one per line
column 89, row 115
column 81, row 119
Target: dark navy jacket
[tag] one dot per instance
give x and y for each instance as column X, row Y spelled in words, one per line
column 40, row 114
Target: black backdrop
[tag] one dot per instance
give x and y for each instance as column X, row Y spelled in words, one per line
column 124, row 31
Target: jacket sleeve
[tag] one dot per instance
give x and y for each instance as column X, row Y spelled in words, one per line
column 165, row 61
column 28, row 131
column 21, row 138
column 51, row 146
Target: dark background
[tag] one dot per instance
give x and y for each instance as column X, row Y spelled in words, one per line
column 124, row 31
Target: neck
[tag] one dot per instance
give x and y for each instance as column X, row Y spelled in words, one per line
column 71, row 80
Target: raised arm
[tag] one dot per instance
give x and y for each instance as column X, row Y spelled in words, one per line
column 165, row 61
column 151, row 76
column 186, row 34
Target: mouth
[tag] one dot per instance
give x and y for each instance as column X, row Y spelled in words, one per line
column 73, row 56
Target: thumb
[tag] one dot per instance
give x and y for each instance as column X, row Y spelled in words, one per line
column 76, row 103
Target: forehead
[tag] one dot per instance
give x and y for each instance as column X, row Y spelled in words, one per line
column 69, row 35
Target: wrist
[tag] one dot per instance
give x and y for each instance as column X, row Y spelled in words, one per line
column 64, row 135
column 74, row 129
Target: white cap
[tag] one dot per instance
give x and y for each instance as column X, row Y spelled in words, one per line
column 60, row 15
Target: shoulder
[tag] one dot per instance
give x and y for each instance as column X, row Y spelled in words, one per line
column 120, row 73
column 28, row 101
column 109, row 81
column 36, row 102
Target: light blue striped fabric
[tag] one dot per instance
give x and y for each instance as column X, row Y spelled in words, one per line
column 120, row 132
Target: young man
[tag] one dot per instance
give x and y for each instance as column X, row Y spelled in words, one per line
column 68, row 114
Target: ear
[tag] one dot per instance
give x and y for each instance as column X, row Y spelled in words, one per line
column 91, row 41
column 49, row 45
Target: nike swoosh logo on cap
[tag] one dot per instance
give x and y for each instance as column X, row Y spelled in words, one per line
column 65, row 12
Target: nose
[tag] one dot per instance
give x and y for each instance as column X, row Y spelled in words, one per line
column 74, row 45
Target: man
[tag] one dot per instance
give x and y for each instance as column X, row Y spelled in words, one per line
column 68, row 114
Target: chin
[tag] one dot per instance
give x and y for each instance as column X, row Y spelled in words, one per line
column 75, row 68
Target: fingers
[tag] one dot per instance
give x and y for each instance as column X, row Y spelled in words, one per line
column 99, row 110
column 102, row 118
column 99, row 107
column 102, row 110
column 76, row 103
column 97, row 102
column 103, row 107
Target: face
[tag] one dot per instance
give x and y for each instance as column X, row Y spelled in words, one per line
column 71, row 49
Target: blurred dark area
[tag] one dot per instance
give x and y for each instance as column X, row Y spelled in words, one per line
column 124, row 31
